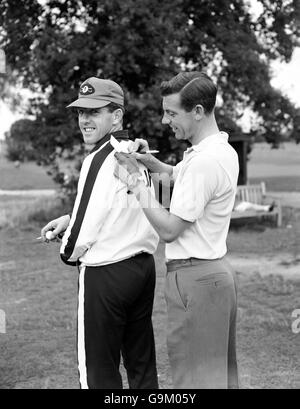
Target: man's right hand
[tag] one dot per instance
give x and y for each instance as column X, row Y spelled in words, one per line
column 139, row 146
column 154, row 165
column 56, row 226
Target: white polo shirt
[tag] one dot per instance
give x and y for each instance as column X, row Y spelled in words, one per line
column 107, row 224
column 204, row 194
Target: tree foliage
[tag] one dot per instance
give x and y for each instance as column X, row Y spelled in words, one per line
column 138, row 43
column 19, row 141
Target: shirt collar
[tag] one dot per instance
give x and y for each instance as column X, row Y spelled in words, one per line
column 221, row 137
column 119, row 135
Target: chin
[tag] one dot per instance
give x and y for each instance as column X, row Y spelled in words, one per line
column 88, row 141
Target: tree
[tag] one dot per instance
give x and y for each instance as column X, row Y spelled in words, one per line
column 19, row 141
column 296, row 129
column 139, row 43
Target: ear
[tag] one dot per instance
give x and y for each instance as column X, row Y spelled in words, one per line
column 199, row 112
column 117, row 116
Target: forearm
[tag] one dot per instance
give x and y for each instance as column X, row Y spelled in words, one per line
column 169, row 226
column 166, row 224
column 155, row 213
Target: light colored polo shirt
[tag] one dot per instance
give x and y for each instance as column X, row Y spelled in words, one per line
column 204, row 194
column 107, row 224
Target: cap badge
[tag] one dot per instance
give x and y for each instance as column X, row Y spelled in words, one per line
column 86, row 89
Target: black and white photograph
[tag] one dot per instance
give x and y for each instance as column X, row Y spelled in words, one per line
column 149, row 197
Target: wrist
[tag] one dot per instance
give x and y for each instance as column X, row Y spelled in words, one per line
column 134, row 180
column 137, row 189
column 150, row 162
column 146, row 159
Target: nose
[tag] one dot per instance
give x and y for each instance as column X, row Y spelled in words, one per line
column 84, row 120
column 165, row 120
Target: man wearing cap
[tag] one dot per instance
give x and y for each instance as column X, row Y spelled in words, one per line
column 111, row 241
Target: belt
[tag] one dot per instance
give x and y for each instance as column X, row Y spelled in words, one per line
column 173, row 265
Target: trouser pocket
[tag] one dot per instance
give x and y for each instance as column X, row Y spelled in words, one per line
column 219, row 279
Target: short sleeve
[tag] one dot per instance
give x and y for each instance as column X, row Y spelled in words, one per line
column 176, row 170
column 195, row 185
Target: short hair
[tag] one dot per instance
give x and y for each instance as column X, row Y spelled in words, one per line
column 194, row 88
column 112, row 106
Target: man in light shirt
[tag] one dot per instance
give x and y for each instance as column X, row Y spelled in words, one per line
column 200, row 287
column 111, row 241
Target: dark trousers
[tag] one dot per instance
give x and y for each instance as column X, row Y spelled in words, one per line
column 114, row 317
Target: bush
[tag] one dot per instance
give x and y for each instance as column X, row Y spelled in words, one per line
column 18, row 141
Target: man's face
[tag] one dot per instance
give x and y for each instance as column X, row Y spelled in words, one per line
column 94, row 123
column 180, row 121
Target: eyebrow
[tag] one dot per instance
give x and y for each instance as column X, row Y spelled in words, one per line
column 170, row 111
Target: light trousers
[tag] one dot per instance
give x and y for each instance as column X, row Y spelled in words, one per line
column 202, row 306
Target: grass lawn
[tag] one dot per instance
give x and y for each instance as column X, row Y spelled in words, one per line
column 278, row 168
column 279, row 183
column 27, row 176
column 39, row 297
column 38, row 294
column 287, row 155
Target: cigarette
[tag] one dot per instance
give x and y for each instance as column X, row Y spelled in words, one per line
column 38, row 238
column 151, row 151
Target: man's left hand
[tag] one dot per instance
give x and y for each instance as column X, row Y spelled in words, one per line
column 127, row 161
column 125, row 167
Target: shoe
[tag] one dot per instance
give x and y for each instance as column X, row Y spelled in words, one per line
column 272, row 205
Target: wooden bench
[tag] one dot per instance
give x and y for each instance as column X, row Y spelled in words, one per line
column 256, row 194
